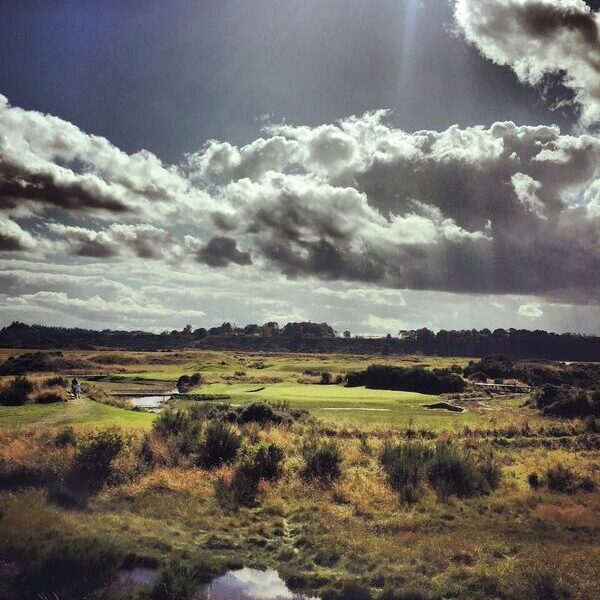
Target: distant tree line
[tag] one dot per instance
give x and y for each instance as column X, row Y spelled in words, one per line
column 517, row 343
column 315, row 337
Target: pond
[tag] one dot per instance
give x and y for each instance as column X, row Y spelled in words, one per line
column 249, row 584
column 241, row 584
column 152, row 403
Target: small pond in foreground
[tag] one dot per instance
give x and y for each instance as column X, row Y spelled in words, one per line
column 241, row 584
column 249, row 584
column 153, row 402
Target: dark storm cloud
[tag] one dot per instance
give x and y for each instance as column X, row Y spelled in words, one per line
column 220, row 251
column 504, row 209
column 45, row 161
column 57, row 187
column 538, row 38
column 499, row 209
column 12, row 237
column 141, row 240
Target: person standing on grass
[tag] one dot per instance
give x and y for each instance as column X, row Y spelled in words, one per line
column 75, row 388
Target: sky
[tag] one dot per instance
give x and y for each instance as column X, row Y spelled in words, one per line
column 376, row 164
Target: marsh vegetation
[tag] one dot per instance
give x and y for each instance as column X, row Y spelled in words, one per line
column 498, row 501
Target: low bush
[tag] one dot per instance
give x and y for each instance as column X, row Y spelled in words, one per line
column 15, row 392
column 534, row 481
column 406, row 468
column 562, row 479
column 263, row 460
column 537, row 582
column 72, row 569
column 322, row 461
column 50, row 396
column 188, row 381
column 96, row 452
column 567, row 401
column 220, row 445
column 326, row 378
column 258, row 462
column 262, row 413
column 348, row 590
column 65, row 437
column 592, row 424
column 180, row 425
column 449, row 470
column 57, row 380
column 259, row 412
column 171, row 422
column 412, row 379
column 454, row 472
column 196, row 379
column 406, row 594
column 175, row 582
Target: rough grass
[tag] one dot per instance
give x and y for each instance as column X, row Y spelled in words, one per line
column 318, row 536
column 356, row 531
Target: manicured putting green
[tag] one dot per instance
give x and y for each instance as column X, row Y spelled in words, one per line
column 359, row 406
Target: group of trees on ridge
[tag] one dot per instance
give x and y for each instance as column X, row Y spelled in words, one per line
column 315, row 337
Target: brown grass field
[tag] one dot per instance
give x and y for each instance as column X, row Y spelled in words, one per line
column 159, row 505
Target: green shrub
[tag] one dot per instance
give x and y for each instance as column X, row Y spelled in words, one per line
column 196, row 379
column 259, row 412
column 176, row 582
column 406, row 468
column 449, row 470
column 72, row 569
column 49, row 397
column 561, row 479
column 349, row 590
column 539, row 583
column 220, row 445
column 171, row 422
column 592, row 424
column 322, row 461
column 257, row 462
column 15, row 392
column 95, row 454
column 65, row 437
column 58, row 380
column 326, row 378
column 180, row 425
column 263, row 460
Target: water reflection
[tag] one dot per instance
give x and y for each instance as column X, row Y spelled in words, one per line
column 152, row 403
column 249, row 584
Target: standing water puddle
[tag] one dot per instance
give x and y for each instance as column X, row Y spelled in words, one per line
column 242, row 584
column 152, row 403
column 249, row 584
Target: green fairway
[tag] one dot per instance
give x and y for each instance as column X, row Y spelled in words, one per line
column 358, row 406
column 284, row 377
column 84, row 412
